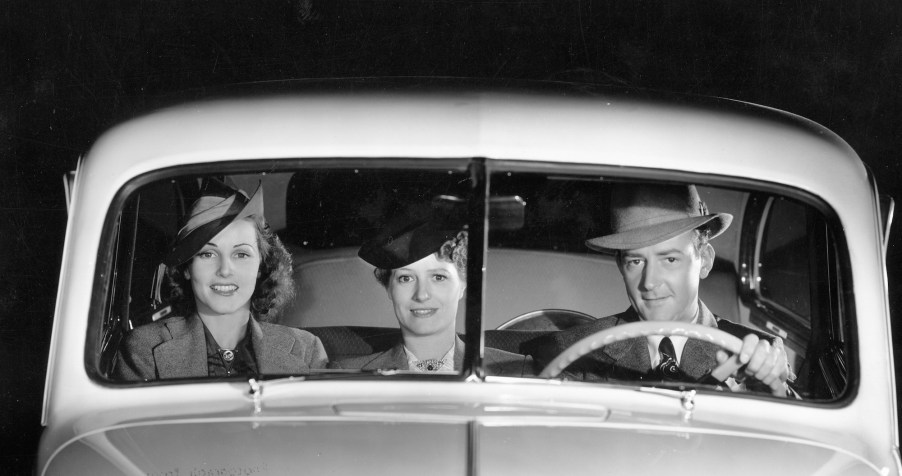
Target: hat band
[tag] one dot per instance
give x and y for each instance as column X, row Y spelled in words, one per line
column 651, row 221
column 224, row 208
column 195, row 240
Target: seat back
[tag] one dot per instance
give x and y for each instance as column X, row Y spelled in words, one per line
column 342, row 342
column 335, row 287
column 521, row 281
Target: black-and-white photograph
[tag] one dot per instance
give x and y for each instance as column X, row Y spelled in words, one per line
column 464, row 238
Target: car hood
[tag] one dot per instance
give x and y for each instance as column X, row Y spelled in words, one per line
column 365, row 445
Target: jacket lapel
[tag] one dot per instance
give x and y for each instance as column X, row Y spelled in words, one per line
column 178, row 357
column 699, row 356
column 394, row 358
column 630, row 354
column 272, row 348
column 458, row 352
column 697, row 359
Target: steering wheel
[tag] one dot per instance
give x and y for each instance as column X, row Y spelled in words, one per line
column 639, row 329
column 546, row 320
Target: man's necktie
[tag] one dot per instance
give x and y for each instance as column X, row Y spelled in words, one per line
column 668, row 368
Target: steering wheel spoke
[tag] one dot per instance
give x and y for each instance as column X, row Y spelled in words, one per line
column 546, row 320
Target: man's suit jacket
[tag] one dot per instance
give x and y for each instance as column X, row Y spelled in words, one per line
column 629, row 359
column 175, row 348
column 497, row 362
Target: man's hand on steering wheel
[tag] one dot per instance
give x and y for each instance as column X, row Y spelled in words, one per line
column 762, row 360
column 759, row 359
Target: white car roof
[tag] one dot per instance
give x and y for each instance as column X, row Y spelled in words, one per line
column 715, row 137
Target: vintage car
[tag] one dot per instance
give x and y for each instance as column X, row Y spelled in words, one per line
column 529, row 173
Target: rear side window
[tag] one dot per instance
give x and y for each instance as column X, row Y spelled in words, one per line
column 794, row 288
column 783, row 267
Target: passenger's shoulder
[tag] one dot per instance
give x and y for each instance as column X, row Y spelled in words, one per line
column 298, row 334
column 354, row 362
column 393, row 358
column 502, row 362
column 153, row 331
column 545, row 347
column 492, row 354
column 161, row 323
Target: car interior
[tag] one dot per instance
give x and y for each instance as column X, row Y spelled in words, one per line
column 779, row 267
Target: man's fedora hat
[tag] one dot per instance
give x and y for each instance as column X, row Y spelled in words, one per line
column 218, row 206
column 400, row 246
column 644, row 215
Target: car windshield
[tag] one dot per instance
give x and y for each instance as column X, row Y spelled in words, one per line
column 527, row 276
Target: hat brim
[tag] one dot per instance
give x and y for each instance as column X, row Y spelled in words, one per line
column 396, row 249
column 653, row 234
column 184, row 249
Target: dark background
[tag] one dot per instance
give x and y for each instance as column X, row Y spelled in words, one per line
column 70, row 70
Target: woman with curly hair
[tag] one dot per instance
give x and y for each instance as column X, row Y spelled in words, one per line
column 229, row 274
column 423, row 267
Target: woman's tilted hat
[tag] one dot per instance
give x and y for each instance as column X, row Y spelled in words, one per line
column 644, row 215
column 401, row 246
column 218, row 206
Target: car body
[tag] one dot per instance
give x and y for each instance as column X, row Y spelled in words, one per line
column 529, row 172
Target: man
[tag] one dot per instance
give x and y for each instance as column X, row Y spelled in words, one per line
column 660, row 236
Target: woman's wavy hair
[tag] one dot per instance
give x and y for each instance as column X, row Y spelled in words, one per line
column 453, row 251
column 275, row 285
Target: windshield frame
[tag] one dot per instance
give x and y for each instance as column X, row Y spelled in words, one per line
column 479, row 171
